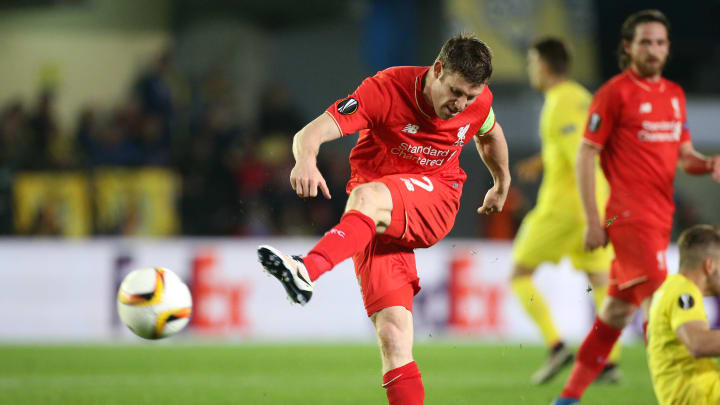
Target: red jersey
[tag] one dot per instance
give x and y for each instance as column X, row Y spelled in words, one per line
column 639, row 125
column 400, row 133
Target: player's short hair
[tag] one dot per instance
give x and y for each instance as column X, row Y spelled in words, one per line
column 468, row 56
column 627, row 32
column 555, row 53
column 697, row 244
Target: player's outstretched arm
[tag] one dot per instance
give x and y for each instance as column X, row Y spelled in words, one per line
column 595, row 235
column 699, row 339
column 493, row 150
column 694, row 162
column 305, row 178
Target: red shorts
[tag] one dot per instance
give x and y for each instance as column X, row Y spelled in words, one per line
column 640, row 265
column 424, row 210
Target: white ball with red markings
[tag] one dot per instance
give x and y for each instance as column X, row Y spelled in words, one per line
column 154, row 302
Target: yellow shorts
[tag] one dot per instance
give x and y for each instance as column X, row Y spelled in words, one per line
column 548, row 237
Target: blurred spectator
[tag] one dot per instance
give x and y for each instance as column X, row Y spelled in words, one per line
column 44, row 131
column 109, row 143
column 153, row 89
column 154, row 141
column 208, row 203
column 277, row 115
column 15, row 141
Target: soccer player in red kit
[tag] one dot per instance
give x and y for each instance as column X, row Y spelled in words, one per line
column 404, row 188
column 638, row 125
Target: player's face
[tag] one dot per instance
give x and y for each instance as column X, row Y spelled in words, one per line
column 452, row 94
column 535, row 69
column 649, row 49
column 714, row 275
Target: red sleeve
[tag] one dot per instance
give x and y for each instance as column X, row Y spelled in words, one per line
column 603, row 116
column 364, row 108
column 685, row 134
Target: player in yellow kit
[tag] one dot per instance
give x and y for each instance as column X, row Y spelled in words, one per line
column 555, row 227
column 680, row 343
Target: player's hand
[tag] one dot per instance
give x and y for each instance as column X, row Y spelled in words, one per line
column 528, row 170
column 305, row 178
column 494, row 201
column 595, row 236
column 716, row 168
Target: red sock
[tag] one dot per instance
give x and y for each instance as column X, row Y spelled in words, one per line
column 404, row 385
column 348, row 237
column 591, row 358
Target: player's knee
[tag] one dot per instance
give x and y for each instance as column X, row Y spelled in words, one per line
column 617, row 313
column 361, row 199
column 393, row 340
column 370, row 199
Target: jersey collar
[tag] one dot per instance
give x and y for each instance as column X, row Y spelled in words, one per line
column 420, row 102
column 644, row 83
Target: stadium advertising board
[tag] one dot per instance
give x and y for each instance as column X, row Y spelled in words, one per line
column 65, row 291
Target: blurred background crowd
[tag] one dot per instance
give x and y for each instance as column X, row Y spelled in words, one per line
column 176, row 117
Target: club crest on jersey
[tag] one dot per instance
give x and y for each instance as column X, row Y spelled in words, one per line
column 411, row 129
column 594, row 123
column 347, row 106
column 676, row 107
column 461, row 135
column 686, row 301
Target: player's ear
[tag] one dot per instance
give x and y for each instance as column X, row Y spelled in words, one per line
column 626, row 46
column 437, row 69
column 708, row 266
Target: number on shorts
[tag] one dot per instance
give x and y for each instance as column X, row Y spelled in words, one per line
column 428, row 186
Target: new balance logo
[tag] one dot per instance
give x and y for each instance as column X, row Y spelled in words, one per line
column 645, row 108
column 411, row 129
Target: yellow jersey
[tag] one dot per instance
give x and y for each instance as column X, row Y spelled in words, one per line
column 562, row 123
column 679, row 378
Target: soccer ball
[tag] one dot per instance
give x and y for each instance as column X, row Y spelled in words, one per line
column 154, row 303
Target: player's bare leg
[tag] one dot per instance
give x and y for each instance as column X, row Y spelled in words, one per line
column 401, row 377
column 374, row 200
column 534, row 304
column 611, row 373
column 616, row 312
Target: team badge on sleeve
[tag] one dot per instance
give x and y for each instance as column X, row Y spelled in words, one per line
column 594, row 123
column 347, row 106
column 686, row 301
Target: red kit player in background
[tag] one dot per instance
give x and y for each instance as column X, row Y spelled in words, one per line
column 404, row 188
column 638, row 125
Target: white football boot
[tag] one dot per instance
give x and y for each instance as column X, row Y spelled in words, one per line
column 291, row 272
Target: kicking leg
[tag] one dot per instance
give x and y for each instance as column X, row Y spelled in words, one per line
column 368, row 212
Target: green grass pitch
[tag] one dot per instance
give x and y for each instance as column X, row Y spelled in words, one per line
column 177, row 374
